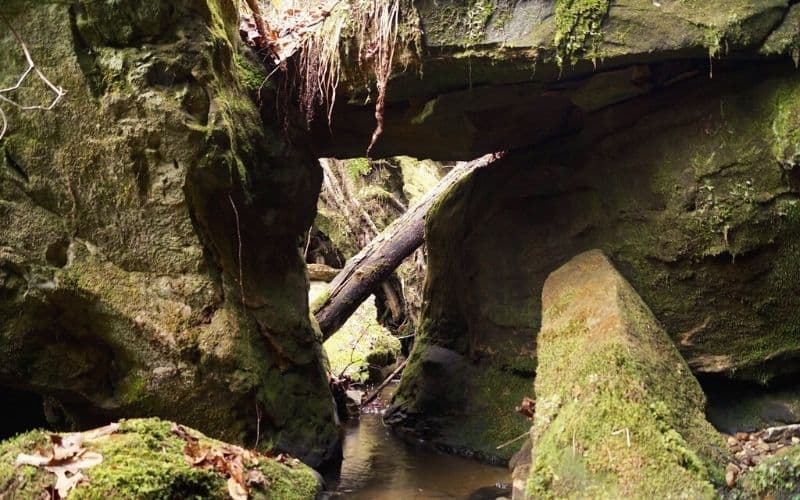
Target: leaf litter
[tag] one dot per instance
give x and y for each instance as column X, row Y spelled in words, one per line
column 67, row 458
column 235, row 462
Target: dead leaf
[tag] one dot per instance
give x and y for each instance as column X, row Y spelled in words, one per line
column 66, row 460
column 65, row 482
column 182, row 433
column 527, row 407
column 66, row 447
column 237, row 490
column 255, row 476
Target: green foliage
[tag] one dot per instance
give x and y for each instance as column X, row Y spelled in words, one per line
column 357, row 167
column 578, row 29
column 776, row 477
column 358, row 342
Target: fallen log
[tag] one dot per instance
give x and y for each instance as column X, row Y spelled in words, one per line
column 376, row 261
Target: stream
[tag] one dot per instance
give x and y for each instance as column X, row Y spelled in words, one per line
column 380, row 465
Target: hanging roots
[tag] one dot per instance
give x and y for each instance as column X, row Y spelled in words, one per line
column 320, row 64
column 384, row 27
column 320, row 67
column 320, row 35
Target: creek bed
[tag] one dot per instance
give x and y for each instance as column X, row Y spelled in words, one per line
column 379, row 465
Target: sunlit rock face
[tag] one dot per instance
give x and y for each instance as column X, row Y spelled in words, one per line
column 129, row 215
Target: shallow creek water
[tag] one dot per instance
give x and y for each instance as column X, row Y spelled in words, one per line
column 380, row 465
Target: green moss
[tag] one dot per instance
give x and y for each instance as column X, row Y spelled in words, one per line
column 26, row 482
column 786, row 127
column 252, row 77
column 490, row 419
column 776, row 477
column 456, row 24
column 427, row 111
column 133, row 388
column 578, row 29
column 786, row 38
column 358, row 167
column 145, row 460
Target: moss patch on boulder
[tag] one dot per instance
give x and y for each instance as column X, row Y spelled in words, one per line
column 145, row 458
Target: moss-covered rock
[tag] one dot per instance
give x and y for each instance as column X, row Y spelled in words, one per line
column 150, row 225
column 146, row 458
column 618, row 413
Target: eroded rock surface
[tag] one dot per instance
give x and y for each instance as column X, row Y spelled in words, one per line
column 499, row 74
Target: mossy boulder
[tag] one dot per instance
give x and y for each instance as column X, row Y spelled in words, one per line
column 618, row 412
column 150, row 225
column 146, row 458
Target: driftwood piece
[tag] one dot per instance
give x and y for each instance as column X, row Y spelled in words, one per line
column 371, row 266
column 783, row 432
column 374, row 394
column 322, row 272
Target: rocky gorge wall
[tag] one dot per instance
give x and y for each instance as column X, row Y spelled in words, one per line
column 149, row 259
column 693, row 194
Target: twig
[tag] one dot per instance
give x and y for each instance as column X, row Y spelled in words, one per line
column 239, row 238
column 377, row 391
column 308, row 244
column 512, row 441
column 353, row 351
column 574, row 442
column 627, row 435
column 258, row 424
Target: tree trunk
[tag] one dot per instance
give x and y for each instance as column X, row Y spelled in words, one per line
column 366, row 270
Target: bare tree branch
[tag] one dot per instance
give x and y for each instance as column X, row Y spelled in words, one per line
column 57, row 91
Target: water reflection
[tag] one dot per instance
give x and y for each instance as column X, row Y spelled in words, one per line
column 379, row 465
